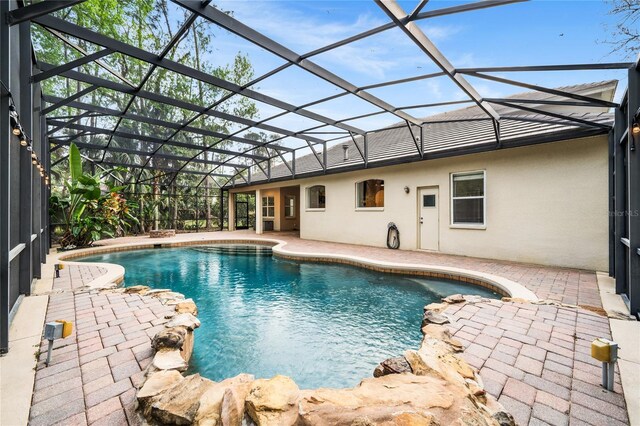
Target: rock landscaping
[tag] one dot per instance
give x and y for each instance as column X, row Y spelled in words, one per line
column 429, row 386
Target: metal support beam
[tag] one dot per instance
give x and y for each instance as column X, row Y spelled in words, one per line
column 26, row 168
column 366, row 151
column 71, row 121
column 75, row 75
column 612, row 204
column 415, row 140
column 69, row 100
column 231, row 24
column 169, row 125
column 633, row 192
column 424, row 15
column 357, row 146
column 567, row 67
column 395, row 12
column 543, row 102
column 542, row 89
column 69, row 66
column 553, row 114
column 82, row 51
column 151, row 58
column 27, row 13
column 5, row 183
column 82, row 145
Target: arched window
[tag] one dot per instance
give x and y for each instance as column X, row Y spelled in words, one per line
column 316, row 197
column 370, row 193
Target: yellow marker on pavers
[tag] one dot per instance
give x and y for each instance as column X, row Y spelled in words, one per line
column 67, row 328
column 606, row 352
column 58, row 329
column 57, row 267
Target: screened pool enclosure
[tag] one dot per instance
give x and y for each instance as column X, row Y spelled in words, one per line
column 143, row 99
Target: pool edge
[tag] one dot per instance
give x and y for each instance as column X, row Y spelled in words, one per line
column 115, row 273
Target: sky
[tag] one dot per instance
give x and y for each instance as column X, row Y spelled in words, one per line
column 529, row 33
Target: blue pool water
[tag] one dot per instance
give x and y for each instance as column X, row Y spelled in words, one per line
column 323, row 325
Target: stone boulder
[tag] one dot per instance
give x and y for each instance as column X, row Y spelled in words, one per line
column 136, row 289
column 170, row 338
column 232, row 411
column 184, row 320
column 394, row 399
column 395, row 365
column 157, row 291
column 187, row 306
column 179, row 404
column 273, row 402
column 432, row 317
column 441, row 334
column 210, row 412
column 157, row 383
column 473, row 298
column 454, row 298
column 169, row 359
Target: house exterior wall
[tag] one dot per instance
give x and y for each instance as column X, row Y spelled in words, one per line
column 545, row 204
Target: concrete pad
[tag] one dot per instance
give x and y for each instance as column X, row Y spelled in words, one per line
column 17, row 372
column 611, row 302
column 630, row 376
column 627, row 335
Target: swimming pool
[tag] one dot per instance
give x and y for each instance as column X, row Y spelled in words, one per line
column 324, row 325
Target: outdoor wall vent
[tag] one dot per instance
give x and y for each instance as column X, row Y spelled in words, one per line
column 345, row 149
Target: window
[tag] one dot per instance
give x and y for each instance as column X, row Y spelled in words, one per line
column 268, row 207
column 370, row 193
column 289, row 206
column 429, row 200
column 468, row 198
column 315, row 197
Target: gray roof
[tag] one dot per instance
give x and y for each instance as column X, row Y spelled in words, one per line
column 470, row 132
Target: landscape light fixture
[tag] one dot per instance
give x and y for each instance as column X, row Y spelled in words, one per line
column 635, row 126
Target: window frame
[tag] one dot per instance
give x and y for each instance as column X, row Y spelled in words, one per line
column 293, row 207
column 468, row 225
column 267, row 206
column 357, row 196
column 308, row 199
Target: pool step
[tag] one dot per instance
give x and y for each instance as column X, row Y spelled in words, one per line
column 235, row 250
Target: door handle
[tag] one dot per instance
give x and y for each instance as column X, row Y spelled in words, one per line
column 421, row 221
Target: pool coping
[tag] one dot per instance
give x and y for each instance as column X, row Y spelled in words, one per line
column 115, row 273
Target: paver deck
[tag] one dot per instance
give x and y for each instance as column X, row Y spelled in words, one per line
column 533, row 358
column 93, row 374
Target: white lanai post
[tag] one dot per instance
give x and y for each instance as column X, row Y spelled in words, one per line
column 258, row 211
column 232, row 211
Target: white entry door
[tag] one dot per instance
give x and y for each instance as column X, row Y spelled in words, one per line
column 428, row 224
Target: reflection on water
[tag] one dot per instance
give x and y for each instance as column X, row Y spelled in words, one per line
column 323, row 325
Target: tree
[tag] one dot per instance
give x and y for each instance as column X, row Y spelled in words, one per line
column 626, row 34
column 149, row 26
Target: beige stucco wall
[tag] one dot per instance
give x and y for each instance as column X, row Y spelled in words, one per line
column 545, row 204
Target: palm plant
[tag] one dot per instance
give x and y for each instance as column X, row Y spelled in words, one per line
column 87, row 212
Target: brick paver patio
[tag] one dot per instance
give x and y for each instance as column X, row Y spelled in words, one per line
column 94, row 372
column 534, row 358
